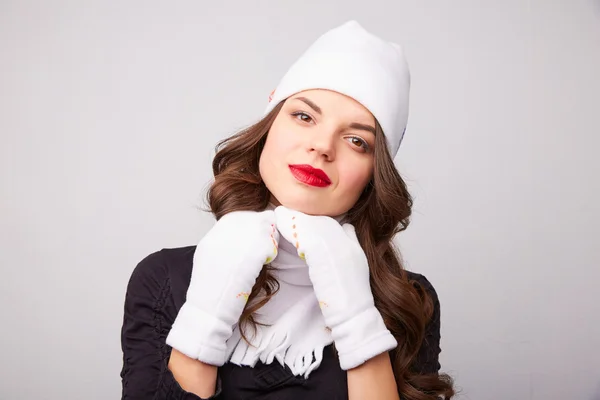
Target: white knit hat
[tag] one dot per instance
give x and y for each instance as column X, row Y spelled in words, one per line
column 351, row 61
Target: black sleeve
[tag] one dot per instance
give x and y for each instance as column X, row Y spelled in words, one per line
column 427, row 359
column 147, row 320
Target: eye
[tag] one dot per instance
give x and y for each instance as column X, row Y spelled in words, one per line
column 302, row 116
column 359, row 142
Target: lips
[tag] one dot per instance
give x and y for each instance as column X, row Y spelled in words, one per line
column 311, row 176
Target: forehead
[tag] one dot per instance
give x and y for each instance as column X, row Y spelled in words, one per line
column 334, row 103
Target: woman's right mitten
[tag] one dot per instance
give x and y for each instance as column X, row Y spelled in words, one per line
column 227, row 262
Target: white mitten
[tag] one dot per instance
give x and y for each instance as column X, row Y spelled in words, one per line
column 227, row 262
column 339, row 271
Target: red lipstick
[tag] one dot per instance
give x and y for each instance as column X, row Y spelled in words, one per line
column 309, row 175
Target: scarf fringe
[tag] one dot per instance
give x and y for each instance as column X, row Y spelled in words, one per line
column 294, row 333
column 296, row 340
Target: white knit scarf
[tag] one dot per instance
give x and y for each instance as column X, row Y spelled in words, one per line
column 294, row 333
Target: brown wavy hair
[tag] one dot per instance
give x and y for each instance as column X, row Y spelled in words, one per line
column 382, row 211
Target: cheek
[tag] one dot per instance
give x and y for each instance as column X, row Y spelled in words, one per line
column 280, row 143
column 353, row 178
column 275, row 155
column 278, row 147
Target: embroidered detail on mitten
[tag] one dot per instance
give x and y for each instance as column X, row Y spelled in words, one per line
column 245, row 295
column 297, row 244
column 322, row 304
column 269, row 259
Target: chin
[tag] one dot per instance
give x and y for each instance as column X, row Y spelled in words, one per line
column 305, row 205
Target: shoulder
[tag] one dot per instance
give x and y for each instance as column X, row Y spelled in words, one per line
column 166, row 270
column 423, row 283
column 163, row 264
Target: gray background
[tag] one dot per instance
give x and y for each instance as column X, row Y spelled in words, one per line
column 109, row 111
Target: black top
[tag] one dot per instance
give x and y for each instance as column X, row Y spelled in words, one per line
column 156, row 292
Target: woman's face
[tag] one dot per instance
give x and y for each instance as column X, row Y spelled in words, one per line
column 319, row 130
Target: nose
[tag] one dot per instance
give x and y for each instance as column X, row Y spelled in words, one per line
column 322, row 143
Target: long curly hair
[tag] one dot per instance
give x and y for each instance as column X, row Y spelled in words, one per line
column 382, row 210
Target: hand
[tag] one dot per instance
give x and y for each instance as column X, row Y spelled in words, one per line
column 227, row 262
column 339, row 271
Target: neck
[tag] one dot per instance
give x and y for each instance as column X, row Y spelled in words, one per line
column 339, row 218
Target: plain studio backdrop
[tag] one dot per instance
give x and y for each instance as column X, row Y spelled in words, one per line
column 109, row 111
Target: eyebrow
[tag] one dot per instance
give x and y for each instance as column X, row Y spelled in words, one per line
column 311, row 104
column 354, row 125
column 369, row 128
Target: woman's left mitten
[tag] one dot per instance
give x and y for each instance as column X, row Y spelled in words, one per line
column 339, row 271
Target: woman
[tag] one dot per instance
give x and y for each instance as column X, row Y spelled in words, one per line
column 297, row 290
